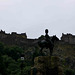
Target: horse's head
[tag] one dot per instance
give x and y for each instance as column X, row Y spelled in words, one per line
column 54, row 38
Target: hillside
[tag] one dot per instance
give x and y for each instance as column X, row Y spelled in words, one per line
column 66, row 52
column 15, row 44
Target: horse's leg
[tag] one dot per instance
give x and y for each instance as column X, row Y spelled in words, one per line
column 41, row 51
column 51, row 51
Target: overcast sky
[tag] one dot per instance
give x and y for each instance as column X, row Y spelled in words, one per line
column 34, row 16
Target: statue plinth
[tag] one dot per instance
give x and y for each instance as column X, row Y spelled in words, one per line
column 46, row 65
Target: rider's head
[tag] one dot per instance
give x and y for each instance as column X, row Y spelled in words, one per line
column 46, row 31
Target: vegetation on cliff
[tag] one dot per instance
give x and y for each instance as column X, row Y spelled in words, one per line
column 10, row 62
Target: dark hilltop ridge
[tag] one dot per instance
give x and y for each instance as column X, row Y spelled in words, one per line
column 15, row 39
column 22, row 40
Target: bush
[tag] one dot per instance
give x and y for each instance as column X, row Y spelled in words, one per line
column 69, row 72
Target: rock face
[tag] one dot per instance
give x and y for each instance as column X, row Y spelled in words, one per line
column 46, row 65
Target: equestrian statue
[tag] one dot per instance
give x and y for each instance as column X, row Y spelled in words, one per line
column 47, row 42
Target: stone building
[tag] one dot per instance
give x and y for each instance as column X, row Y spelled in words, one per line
column 16, row 39
column 68, row 38
column 22, row 40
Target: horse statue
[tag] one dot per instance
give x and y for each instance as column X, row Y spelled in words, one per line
column 47, row 42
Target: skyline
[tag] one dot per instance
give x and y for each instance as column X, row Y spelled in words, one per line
column 37, row 37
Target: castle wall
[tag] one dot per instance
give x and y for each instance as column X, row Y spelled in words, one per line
column 68, row 38
column 16, row 39
column 22, row 40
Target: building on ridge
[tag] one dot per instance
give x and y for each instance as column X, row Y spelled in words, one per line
column 68, row 38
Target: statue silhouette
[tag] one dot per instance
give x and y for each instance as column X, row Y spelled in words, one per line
column 47, row 42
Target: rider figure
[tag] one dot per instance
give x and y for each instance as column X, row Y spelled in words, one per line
column 47, row 38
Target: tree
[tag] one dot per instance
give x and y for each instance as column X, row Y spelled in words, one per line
column 11, row 65
column 2, row 65
column 14, row 52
